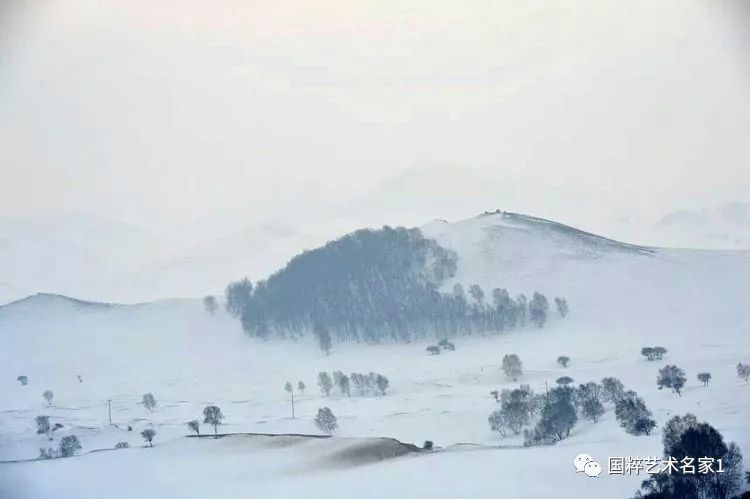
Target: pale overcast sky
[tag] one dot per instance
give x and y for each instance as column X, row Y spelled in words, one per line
column 591, row 112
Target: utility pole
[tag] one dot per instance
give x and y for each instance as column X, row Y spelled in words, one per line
column 109, row 407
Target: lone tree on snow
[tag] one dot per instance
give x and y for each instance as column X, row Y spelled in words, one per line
column 562, row 306
column 209, row 303
column 743, row 372
column 23, row 380
column 301, row 386
column 212, row 415
column 323, row 336
column 671, row 377
column 149, row 401
column 325, row 383
column 195, row 426
column 325, row 420
column 48, row 396
column 148, row 435
column 69, row 445
column 704, row 378
column 512, row 366
column 563, row 360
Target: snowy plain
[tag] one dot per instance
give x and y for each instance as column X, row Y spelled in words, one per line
column 622, row 298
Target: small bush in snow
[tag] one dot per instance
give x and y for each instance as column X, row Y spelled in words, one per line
column 427, row 445
column 195, row 427
column 743, row 372
column 69, row 445
column 612, row 390
column 671, row 377
column 23, row 380
column 149, row 401
column 633, row 415
column 446, row 345
column 496, row 395
column 512, row 366
column 48, row 396
column 433, row 350
column 563, row 360
column 122, row 445
column 212, row 415
column 148, row 435
column 325, row 420
column 325, row 383
column 48, row 453
column 704, row 378
column 42, row 425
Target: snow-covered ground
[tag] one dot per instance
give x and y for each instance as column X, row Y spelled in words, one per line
column 622, row 298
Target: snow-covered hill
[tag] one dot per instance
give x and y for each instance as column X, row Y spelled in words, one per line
column 622, row 297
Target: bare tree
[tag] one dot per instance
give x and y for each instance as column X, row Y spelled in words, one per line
column 212, row 415
column 195, row 426
column 48, row 396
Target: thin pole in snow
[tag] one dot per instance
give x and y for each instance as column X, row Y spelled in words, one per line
column 109, row 407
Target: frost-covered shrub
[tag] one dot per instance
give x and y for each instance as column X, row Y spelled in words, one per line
column 69, row 445
column 42, row 425
column 148, row 435
column 122, row 445
column 23, row 380
column 325, row 420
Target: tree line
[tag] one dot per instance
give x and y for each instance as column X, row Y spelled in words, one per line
column 375, row 285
